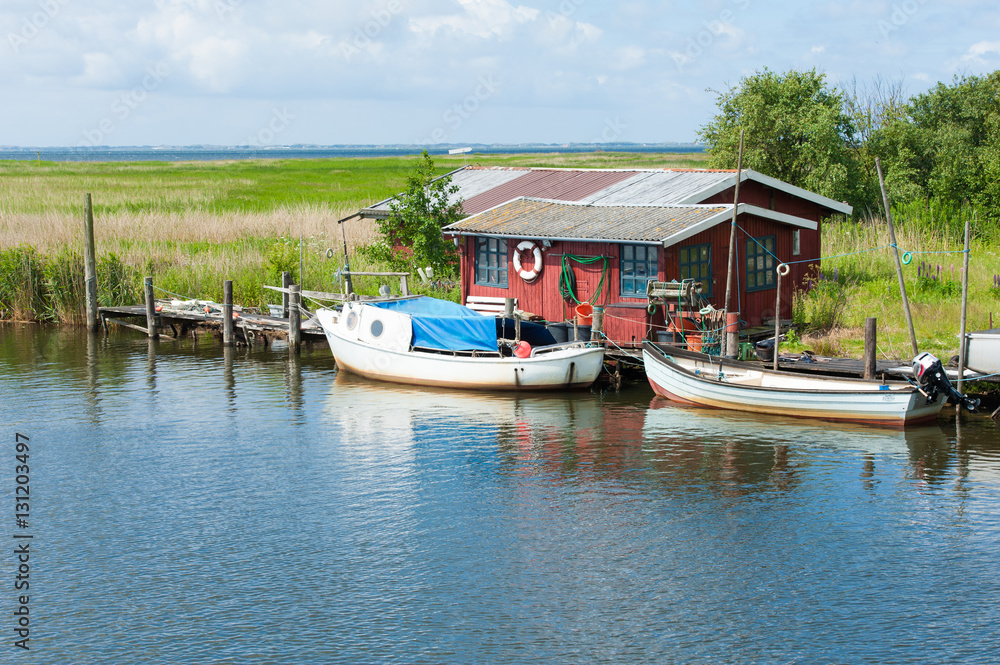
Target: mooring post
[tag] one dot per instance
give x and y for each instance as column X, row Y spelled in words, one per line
column 227, row 312
column 899, row 265
column 732, row 335
column 404, row 288
column 150, row 308
column 90, row 264
column 732, row 240
column 286, row 281
column 597, row 331
column 777, row 315
column 963, row 345
column 871, row 344
column 294, row 319
column 508, row 308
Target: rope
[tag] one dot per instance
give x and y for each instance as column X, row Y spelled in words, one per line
column 179, row 295
column 586, row 260
column 837, row 256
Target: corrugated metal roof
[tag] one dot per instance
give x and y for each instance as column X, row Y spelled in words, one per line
column 485, row 187
column 534, row 218
column 659, row 188
column 564, row 185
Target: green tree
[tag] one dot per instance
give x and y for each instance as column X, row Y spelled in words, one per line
column 411, row 235
column 795, row 127
column 958, row 130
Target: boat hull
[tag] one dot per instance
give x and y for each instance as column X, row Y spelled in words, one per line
column 682, row 377
column 567, row 368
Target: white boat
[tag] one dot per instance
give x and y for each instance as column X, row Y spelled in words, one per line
column 695, row 378
column 430, row 342
column 983, row 351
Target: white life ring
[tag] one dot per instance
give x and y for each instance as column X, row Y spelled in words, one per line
column 528, row 246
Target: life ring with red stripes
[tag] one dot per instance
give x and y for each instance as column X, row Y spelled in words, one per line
column 534, row 272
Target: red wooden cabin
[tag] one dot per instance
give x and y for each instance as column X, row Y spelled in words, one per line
column 657, row 224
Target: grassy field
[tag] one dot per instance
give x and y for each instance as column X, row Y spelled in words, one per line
column 192, row 225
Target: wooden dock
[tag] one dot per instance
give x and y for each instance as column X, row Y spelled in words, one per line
column 250, row 328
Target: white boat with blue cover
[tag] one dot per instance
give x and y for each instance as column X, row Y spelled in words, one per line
column 425, row 341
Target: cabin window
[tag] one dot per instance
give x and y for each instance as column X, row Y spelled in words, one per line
column 491, row 262
column 638, row 266
column 796, row 240
column 760, row 263
column 696, row 264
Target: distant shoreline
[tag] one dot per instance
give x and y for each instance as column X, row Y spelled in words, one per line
column 215, row 153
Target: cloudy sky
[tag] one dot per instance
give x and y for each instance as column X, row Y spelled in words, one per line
column 233, row 72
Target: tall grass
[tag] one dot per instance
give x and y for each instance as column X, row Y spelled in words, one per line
column 864, row 283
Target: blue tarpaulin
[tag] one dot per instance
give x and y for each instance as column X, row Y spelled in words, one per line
column 444, row 325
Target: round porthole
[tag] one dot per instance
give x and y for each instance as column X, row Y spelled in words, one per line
column 376, row 328
column 352, row 321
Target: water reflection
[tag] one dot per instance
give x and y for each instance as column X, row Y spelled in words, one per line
column 579, row 437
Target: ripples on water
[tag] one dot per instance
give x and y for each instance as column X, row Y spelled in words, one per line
column 195, row 505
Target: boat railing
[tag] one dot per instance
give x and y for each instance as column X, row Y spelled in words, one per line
column 578, row 344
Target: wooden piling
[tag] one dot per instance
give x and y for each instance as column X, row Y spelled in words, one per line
column 227, row 313
column 404, row 287
column 899, row 265
column 777, row 315
column 963, row 345
column 294, row 319
column 871, row 344
column 597, row 329
column 90, row 264
column 150, row 308
column 508, row 307
column 286, row 281
column 732, row 240
column 732, row 335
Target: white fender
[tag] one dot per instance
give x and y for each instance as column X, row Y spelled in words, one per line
column 525, row 246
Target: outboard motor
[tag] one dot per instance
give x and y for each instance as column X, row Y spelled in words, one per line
column 932, row 381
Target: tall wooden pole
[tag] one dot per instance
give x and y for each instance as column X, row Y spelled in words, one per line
column 294, row 319
column 777, row 315
column 228, row 331
column 962, row 347
column 90, row 264
column 899, row 265
column 732, row 239
column 286, row 281
column 150, row 307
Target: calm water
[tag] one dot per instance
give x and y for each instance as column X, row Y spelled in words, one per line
column 194, row 153
column 196, row 506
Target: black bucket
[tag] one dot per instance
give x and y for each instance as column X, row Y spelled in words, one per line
column 582, row 333
column 559, row 332
column 765, row 350
column 668, row 337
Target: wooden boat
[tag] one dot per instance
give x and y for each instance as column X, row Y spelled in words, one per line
column 695, row 378
column 430, row 342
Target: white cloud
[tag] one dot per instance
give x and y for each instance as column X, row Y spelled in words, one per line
column 979, row 49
